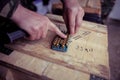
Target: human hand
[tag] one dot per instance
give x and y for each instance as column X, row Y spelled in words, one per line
column 34, row 24
column 73, row 15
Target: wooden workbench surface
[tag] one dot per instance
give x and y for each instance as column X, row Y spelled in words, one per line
column 87, row 54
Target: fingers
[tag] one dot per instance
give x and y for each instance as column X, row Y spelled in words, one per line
column 32, row 37
column 78, row 20
column 57, row 31
column 60, row 33
column 71, row 18
column 37, row 33
column 44, row 32
column 74, row 17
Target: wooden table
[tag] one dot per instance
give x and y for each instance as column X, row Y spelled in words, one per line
column 87, row 54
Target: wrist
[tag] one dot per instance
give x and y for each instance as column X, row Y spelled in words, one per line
column 68, row 3
column 20, row 14
column 16, row 14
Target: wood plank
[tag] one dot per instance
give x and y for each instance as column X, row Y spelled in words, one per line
column 83, row 3
column 51, row 72
column 92, row 10
column 57, row 72
column 87, row 50
column 17, row 75
column 24, row 63
column 89, row 6
column 94, row 4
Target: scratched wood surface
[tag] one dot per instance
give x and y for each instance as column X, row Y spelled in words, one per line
column 87, row 52
column 25, row 67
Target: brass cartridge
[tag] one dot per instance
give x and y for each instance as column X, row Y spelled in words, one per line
column 55, row 41
column 65, row 41
column 58, row 41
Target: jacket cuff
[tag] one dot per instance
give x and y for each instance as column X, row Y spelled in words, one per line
column 62, row 1
column 9, row 7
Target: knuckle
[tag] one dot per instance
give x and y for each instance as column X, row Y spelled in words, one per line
column 70, row 10
column 35, row 29
column 81, row 10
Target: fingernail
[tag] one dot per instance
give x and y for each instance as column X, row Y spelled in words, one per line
column 64, row 36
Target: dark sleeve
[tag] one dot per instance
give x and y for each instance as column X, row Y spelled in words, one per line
column 7, row 7
column 62, row 1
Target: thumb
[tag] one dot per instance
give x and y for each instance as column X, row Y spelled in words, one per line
column 55, row 29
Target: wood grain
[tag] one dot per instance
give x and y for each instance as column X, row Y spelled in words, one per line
column 87, row 52
column 94, row 4
column 83, row 3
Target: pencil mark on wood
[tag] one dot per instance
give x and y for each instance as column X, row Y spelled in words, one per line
column 69, row 41
column 77, row 37
column 86, row 33
column 84, row 49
